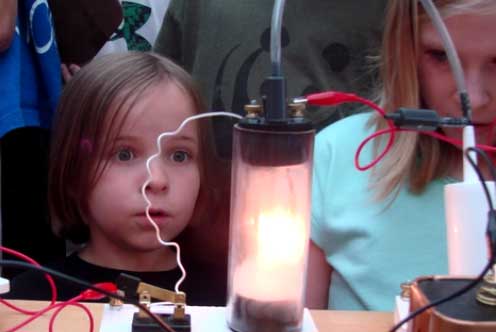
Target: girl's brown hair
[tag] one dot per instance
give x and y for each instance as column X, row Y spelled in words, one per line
column 92, row 110
column 414, row 159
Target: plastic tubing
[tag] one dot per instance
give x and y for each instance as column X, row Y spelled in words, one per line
column 275, row 37
column 452, row 55
column 456, row 67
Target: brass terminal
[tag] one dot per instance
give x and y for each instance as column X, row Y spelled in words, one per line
column 406, row 288
column 297, row 109
column 177, row 298
column 487, row 291
column 117, row 303
column 131, row 285
column 253, row 110
column 146, row 300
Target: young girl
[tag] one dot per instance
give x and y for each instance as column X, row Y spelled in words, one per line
column 373, row 230
column 108, row 120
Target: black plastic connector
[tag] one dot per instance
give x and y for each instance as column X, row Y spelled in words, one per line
column 128, row 284
column 148, row 325
column 417, row 119
column 275, row 99
column 423, row 119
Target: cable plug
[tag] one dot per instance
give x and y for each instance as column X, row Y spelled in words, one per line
column 454, row 122
column 328, row 98
column 128, row 284
column 91, row 294
column 417, row 119
column 423, row 119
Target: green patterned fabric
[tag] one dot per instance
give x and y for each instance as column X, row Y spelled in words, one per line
column 141, row 21
column 135, row 16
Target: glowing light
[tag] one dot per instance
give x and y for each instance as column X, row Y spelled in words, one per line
column 280, row 238
column 274, row 269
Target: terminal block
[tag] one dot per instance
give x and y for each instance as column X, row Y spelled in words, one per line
column 178, row 320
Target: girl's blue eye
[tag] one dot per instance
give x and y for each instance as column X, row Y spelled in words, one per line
column 179, row 156
column 124, row 155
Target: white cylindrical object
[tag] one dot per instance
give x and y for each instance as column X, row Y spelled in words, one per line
column 466, row 210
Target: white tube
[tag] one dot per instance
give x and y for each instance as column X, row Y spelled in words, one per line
column 275, row 37
column 466, row 211
column 449, row 47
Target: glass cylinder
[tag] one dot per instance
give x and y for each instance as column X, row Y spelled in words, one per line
column 269, row 229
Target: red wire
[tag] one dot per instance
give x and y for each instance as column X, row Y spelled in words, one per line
column 47, row 276
column 330, row 98
column 88, row 312
column 88, row 294
column 379, row 157
column 60, row 305
column 64, row 305
column 335, row 98
column 491, row 129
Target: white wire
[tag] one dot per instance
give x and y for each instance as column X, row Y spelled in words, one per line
column 448, row 44
column 469, row 174
column 148, row 180
column 275, row 37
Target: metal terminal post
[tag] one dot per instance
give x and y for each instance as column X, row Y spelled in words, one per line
column 487, row 291
column 253, row 109
column 116, row 303
column 299, row 100
column 146, row 300
column 178, row 320
column 296, row 110
column 406, row 288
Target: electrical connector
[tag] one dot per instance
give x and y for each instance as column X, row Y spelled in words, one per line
column 128, row 284
column 178, row 320
column 423, row 119
column 417, row 119
column 327, row 98
column 91, row 294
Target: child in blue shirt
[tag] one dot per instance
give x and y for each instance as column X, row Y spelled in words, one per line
column 372, row 231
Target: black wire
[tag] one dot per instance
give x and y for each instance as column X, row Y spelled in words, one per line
column 13, row 263
column 488, row 266
column 491, row 222
column 479, row 173
column 489, row 163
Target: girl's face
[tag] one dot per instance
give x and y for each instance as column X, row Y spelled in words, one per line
column 119, row 228
column 473, row 36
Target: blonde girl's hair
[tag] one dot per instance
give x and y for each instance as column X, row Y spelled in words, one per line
column 92, row 110
column 415, row 160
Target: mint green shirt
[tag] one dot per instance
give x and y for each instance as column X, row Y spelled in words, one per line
column 372, row 247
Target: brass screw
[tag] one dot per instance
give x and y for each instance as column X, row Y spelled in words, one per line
column 116, row 303
column 253, row 110
column 296, row 109
column 487, row 291
column 406, row 288
column 146, row 300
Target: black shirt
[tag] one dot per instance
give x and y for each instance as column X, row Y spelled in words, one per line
column 202, row 285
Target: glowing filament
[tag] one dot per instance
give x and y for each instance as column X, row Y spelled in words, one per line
column 280, row 238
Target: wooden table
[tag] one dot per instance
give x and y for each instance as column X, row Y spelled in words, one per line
column 73, row 319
